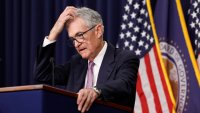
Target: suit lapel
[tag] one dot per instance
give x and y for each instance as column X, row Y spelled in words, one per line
column 107, row 64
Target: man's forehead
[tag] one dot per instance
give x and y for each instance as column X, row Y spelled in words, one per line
column 73, row 29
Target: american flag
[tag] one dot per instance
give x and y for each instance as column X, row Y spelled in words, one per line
column 136, row 34
column 194, row 26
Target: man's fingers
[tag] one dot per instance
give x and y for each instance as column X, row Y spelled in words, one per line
column 68, row 17
column 80, row 96
column 93, row 98
column 70, row 10
column 85, row 99
column 88, row 102
column 65, row 17
column 67, row 14
column 81, row 99
column 70, row 7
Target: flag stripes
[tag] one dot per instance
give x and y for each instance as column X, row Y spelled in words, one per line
column 150, row 87
column 141, row 105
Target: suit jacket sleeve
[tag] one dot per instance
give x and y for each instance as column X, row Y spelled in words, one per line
column 43, row 66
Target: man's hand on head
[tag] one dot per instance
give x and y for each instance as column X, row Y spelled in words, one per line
column 85, row 99
column 67, row 15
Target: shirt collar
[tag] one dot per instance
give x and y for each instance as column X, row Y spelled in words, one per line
column 98, row 59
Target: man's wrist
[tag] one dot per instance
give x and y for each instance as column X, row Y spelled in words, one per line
column 52, row 36
column 98, row 91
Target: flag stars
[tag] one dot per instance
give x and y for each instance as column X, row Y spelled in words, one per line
column 194, row 15
column 131, row 47
column 198, row 24
column 130, row 2
column 130, row 24
column 145, row 24
column 197, row 21
column 146, row 46
column 133, row 15
column 125, row 17
column 126, row 43
column 144, row 2
column 136, row 29
column 121, row 35
column 146, row 14
column 195, row 4
column 128, row 34
column 148, row 37
column 136, row 34
column 127, row 8
column 192, row 25
column 139, row 20
column 197, row 10
column 141, row 43
column 198, row 45
column 195, row 41
column 133, row 38
column 123, row 26
column 199, row 35
column 138, row 52
column 142, row 11
column 189, row 11
column 143, row 34
column 149, row 27
column 136, row 6
column 117, row 45
column 196, row 31
column 151, row 40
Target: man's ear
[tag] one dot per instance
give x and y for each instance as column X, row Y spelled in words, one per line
column 99, row 30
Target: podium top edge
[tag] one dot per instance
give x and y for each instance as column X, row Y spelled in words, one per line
column 36, row 87
column 21, row 88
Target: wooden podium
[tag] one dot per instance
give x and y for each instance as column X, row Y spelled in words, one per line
column 48, row 99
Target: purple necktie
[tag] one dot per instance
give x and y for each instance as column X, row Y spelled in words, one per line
column 90, row 75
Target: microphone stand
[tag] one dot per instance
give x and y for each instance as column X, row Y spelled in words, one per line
column 53, row 70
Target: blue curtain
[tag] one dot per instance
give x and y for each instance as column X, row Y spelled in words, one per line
column 25, row 23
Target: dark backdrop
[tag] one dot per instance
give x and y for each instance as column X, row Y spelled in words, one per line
column 25, row 23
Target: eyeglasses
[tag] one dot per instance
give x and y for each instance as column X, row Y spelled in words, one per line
column 79, row 36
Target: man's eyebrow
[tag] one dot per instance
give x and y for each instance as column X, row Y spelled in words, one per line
column 78, row 33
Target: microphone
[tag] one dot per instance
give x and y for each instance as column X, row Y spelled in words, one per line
column 53, row 70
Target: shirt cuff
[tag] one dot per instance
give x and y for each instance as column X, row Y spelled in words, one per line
column 47, row 41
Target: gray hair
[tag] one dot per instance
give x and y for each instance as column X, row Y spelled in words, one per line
column 90, row 16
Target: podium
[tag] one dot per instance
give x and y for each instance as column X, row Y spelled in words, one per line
column 48, row 99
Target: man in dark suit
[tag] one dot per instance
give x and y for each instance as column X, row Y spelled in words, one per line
column 98, row 71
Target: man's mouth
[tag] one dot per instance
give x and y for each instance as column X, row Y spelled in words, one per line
column 80, row 50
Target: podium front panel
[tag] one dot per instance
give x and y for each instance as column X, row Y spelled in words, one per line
column 43, row 101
